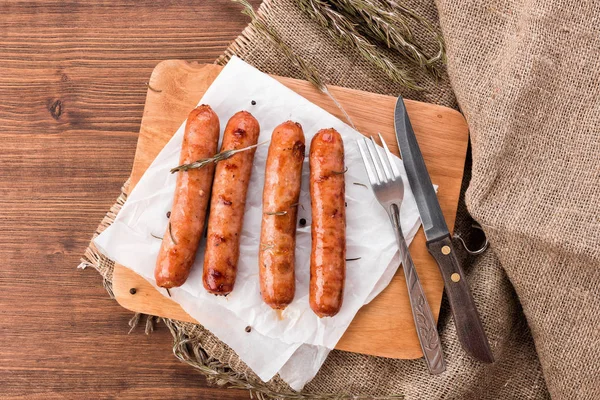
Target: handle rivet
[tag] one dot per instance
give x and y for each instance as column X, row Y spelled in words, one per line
column 446, row 250
column 455, row 277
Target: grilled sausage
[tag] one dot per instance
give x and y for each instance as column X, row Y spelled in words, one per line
column 328, row 229
column 228, row 201
column 186, row 222
column 283, row 176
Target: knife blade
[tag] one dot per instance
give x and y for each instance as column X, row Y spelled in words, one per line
column 468, row 323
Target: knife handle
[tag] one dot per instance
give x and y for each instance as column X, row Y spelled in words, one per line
column 468, row 323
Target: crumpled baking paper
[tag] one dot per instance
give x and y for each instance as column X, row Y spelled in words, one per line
column 294, row 342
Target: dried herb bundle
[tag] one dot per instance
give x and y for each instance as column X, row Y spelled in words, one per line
column 276, row 213
column 345, row 32
column 190, row 351
column 388, row 22
column 363, row 24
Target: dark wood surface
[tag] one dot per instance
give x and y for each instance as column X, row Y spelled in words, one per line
column 72, row 92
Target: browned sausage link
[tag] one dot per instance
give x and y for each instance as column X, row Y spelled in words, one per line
column 227, row 204
column 328, row 227
column 188, row 214
column 283, row 176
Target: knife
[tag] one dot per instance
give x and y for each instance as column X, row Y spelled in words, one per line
column 468, row 324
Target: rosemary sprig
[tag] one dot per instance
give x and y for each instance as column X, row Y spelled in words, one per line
column 388, row 23
column 224, row 155
column 345, row 32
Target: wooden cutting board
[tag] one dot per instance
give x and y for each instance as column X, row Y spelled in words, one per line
column 384, row 327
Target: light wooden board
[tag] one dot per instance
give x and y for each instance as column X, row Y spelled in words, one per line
column 384, row 327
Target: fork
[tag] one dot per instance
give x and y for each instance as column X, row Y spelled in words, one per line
column 387, row 185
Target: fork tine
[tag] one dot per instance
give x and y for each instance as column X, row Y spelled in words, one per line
column 386, row 168
column 390, row 159
column 368, row 165
column 376, row 159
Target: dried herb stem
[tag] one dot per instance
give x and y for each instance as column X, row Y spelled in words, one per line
column 339, row 106
column 283, row 212
column 340, row 172
column 171, row 234
column 308, row 70
column 353, row 259
column 224, row 155
column 153, row 89
column 156, row 237
column 312, row 75
column 360, row 184
column 276, row 213
column 297, row 204
column 440, row 56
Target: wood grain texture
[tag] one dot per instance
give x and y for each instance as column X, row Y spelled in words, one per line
column 72, row 92
column 385, row 327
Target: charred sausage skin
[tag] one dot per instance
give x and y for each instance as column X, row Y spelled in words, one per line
column 328, row 228
column 192, row 190
column 283, row 178
column 228, row 201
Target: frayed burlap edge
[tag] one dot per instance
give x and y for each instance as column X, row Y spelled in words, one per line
column 188, row 344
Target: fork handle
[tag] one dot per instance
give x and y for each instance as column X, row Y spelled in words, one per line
column 424, row 322
column 466, row 317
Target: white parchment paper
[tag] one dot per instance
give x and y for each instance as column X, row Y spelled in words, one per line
column 275, row 337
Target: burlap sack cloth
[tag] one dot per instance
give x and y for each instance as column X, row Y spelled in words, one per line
column 526, row 76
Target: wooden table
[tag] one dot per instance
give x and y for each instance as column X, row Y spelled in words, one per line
column 72, row 91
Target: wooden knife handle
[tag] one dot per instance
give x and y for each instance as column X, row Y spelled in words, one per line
column 468, row 323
